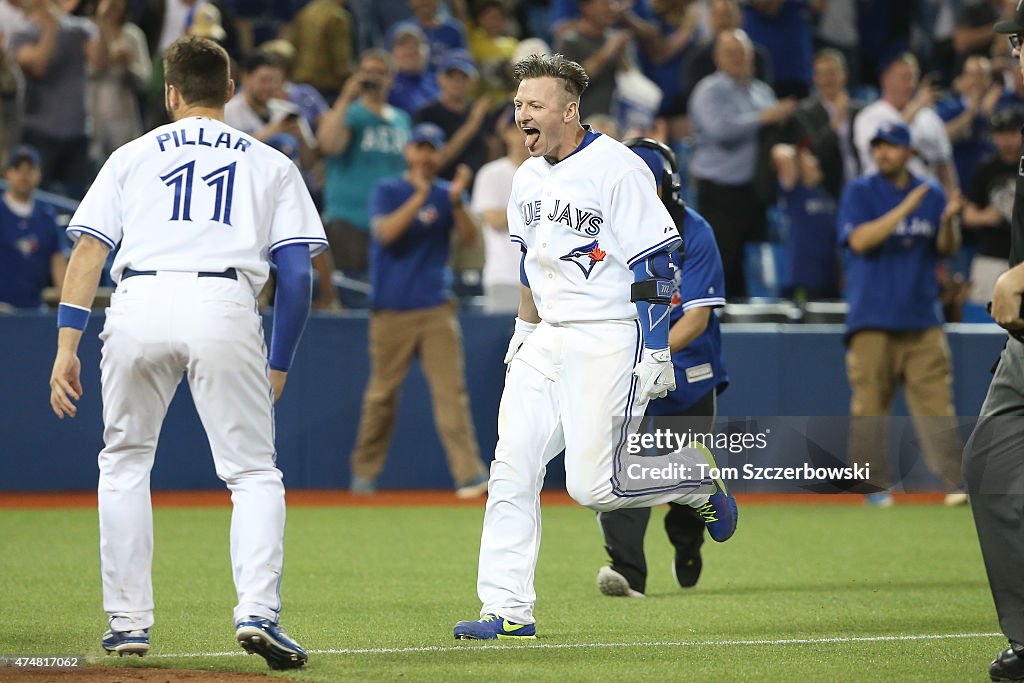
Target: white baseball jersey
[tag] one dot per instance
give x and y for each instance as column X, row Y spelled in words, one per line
column 193, row 196
column 584, row 222
column 199, row 195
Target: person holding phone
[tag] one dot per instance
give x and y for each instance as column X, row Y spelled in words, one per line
column 363, row 138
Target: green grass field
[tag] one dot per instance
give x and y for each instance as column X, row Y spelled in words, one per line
column 832, row 593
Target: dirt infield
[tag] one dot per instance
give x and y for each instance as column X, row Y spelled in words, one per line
column 125, row 675
column 339, row 498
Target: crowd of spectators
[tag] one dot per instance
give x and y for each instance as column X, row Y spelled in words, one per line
column 771, row 105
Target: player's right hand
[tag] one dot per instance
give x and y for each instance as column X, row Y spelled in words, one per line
column 523, row 330
column 65, row 383
column 655, row 375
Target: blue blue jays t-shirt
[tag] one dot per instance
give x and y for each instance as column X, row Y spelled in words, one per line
column 412, row 272
column 893, row 286
column 811, row 244
column 26, row 246
column 700, row 281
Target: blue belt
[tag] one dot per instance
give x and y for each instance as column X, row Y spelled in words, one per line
column 230, row 273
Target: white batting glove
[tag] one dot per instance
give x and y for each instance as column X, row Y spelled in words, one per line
column 655, row 375
column 523, row 330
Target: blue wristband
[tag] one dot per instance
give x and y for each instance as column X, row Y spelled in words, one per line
column 69, row 315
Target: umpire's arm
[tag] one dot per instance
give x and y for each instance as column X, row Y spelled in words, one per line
column 1006, row 299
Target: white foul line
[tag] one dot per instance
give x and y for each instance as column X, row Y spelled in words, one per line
column 533, row 645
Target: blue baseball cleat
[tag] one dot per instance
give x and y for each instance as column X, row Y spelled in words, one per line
column 720, row 515
column 126, row 642
column 491, row 627
column 263, row 637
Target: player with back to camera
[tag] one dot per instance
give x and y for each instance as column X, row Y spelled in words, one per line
column 589, row 345
column 198, row 209
column 696, row 344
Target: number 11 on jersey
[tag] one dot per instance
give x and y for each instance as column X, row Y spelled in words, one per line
column 222, row 180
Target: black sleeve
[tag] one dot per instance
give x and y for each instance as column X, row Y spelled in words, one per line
column 978, row 189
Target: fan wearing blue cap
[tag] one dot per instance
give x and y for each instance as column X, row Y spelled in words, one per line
column 412, row 217
column 893, row 228
column 30, row 254
column 696, row 343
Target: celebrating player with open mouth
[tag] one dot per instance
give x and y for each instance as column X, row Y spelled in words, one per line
column 591, row 339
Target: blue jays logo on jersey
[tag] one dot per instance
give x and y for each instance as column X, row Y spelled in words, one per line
column 428, row 214
column 586, row 257
column 27, row 245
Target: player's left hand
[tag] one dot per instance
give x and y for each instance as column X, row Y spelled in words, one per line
column 523, row 330
column 277, row 380
column 655, row 376
column 65, row 383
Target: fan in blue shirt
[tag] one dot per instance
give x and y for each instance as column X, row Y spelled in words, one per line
column 412, row 219
column 810, row 212
column 894, row 227
column 30, row 249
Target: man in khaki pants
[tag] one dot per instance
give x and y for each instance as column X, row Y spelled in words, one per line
column 894, row 226
column 412, row 217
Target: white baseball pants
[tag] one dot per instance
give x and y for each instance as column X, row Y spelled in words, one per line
column 562, row 391
column 157, row 328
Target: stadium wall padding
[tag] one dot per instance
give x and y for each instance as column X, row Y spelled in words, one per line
column 775, row 370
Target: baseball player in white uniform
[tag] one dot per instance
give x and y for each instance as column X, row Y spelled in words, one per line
column 591, row 339
column 198, row 210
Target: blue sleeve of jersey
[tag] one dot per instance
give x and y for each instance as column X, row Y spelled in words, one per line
column 703, row 280
column 853, row 210
column 522, row 268
column 291, row 303
column 653, row 317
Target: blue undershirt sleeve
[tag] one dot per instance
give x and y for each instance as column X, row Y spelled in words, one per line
column 653, row 317
column 291, row 303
